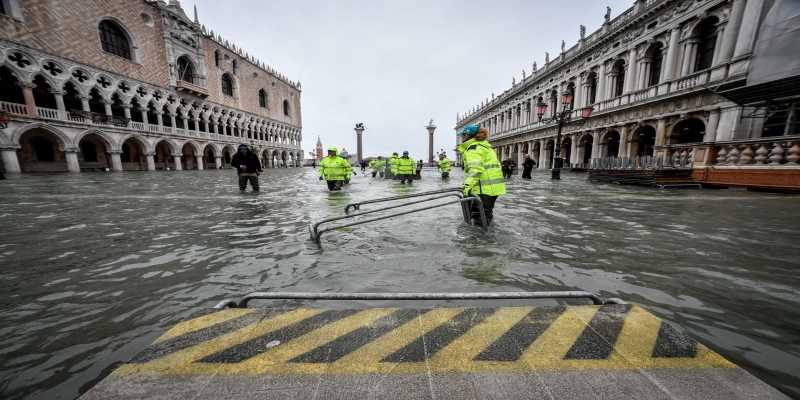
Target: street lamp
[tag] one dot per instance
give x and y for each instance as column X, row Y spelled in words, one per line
column 561, row 118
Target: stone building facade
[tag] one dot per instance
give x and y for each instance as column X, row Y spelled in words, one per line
column 134, row 85
column 645, row 93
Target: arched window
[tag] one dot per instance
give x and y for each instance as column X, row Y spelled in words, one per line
column 706, row 35
column 286, row 108
column 618, row 77
column 185, row 69
column 262, row 98
column 655, row 57
column 114, row 40
column 227, row 85
column 216, row 58
column 592, row 88
column 233, row 64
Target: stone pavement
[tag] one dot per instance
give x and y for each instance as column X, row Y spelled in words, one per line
column 572, row 352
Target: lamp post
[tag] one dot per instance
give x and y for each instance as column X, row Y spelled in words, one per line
column 561, row 118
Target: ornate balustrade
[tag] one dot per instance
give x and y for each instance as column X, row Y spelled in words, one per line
column 779, row 151
column 682, row 159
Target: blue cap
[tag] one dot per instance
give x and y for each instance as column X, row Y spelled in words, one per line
column 470, row 130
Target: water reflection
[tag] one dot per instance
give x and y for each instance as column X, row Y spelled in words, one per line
column 97, row 265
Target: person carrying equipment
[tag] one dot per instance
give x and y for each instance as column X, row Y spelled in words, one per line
column 483, row 174
column 393, row 166
column 445, row 165
column 377, row 166
column 405, row 168
column 334, row 169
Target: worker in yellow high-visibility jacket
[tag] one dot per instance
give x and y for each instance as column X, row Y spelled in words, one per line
column 445, row 166
column 405, row 168
column 483, row 174
column 334, row 170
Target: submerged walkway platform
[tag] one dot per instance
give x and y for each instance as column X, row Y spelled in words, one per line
column 616, row 351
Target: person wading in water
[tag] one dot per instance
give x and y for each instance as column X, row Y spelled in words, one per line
column 247, row 167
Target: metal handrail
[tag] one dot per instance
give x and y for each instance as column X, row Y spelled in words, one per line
column 243, row 302
column 316, row 233
column 357, row 206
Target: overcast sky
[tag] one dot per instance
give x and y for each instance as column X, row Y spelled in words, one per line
column 396, row 64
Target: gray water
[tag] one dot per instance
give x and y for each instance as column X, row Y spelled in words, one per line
column 95, row 266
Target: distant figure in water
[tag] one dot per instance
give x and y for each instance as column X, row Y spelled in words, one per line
column 527, row 167
column 247, row 167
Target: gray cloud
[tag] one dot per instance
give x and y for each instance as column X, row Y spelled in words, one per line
column 396, row 64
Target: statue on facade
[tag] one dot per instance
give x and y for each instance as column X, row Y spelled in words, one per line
column 546, row 58
column 563, row 46
column 523, row 74
column 608, row 14
column 534, row 68
column 513, row 81
column 583, row 32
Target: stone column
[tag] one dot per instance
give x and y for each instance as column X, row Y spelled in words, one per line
column 85, row 103
column 30, row 101
column 197, row 126
column 59, row 95
column 668, row 73
column 625, row 142
column 520, row 156
column 107, row 106
column 144, row 116
column 731, row 31
column 711, row 127
column 579, row 92
column 177, row 159
column 573, row 152
column 116, row 161
column 596, row 145
column 10, row 160
column 160, row 117
column 172, row 121
column 601, row 83
column 359, row 142
column 749, row 27
column 689, row 54
column 431, row 129
column 151, row 162
column 126, row 108
column 218, row 162
column 661, row 132
column 72, row 160
column 630, row 74
column 542, row 154
column 199, row 160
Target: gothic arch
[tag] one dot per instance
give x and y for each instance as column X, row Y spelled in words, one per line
column 131, row 39
column 111, row 145
column 63, row 138
column 148, row 147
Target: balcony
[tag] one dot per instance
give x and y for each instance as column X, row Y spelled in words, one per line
column 84, row 120
column 192, row 88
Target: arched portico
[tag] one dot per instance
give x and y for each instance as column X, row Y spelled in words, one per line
column 644, row 140
column 41, row 150
column 610, row 144
column 164, row 152
column 95, row 152
column 191, row 157
column 585, row 145
column 134, row 154
column 691, row 130
column 210, row 156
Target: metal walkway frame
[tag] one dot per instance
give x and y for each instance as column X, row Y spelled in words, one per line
column 245, row 300
column 464, row 202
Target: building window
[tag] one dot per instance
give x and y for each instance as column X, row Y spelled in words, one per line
column 618, row 77
column 185, row 69
column 286, row 108
column 262, row 98
column 706, row 34
column 3, row 8
column 233, row 63
column 227, row 85
column 114, row 40
column 216, row 58
column 592, row 88
column 655, row 54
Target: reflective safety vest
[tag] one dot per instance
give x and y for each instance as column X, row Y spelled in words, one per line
column 334, row 168
column 483, row 174
column 445, row 165
column 405, row 166
column 377, row 165
column 393, row 164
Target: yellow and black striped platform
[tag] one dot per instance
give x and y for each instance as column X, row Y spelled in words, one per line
column 613, row 351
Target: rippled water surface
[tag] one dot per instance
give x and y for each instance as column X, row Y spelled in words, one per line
column 95, row 266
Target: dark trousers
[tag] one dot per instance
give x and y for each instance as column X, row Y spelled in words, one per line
column 488, row 207
column 374, row 173
column 445, row 175
column 526, row 173
column 334, row 185
column 243, row 179
column 406, row 178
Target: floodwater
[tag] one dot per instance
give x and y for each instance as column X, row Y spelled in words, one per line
column 95, row 266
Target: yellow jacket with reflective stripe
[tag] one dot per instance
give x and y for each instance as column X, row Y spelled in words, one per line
column 377, row 165
column 393, row 164
column 334, row 168
column 405, row 166
column 482, row 171
column 445, row 165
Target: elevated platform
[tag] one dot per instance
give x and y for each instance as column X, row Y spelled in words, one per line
column 642, row 177
column 564, row 352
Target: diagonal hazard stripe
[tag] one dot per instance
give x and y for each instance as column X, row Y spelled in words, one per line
column 672, row 343
column 193, row 333
column 203, row 322
column 343, row 345
column 516, row 340
column 431, row 342
column 555, row 342
column 598, row 339
column 258, row 345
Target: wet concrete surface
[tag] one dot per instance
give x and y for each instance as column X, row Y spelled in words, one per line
column 99, row 265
